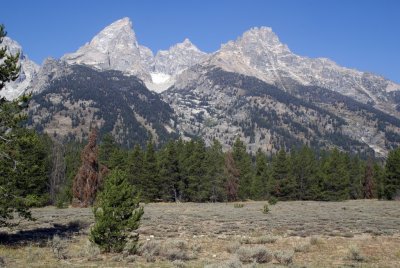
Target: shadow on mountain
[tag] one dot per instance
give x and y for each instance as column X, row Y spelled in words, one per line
column 41, row 236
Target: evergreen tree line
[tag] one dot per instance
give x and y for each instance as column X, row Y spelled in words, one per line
column 41, row 172
column 24, row 156
column 190, row 171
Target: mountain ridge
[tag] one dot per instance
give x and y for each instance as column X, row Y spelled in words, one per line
column 127, row 55
column 241, row 88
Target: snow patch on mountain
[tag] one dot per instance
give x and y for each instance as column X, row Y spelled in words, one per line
column 160, row 82
column 159, row 78
column 116, row 48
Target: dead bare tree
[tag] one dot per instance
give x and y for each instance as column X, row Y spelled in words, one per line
column 232, row 177
column 57, row 175
column 87, row 180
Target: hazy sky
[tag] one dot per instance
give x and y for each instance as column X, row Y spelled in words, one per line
column 359, row 34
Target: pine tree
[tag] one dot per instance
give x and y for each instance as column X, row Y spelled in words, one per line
column 117, row 215
column 306, row 174
column 283, row 183
column 243, row 163
column 107, row 148
column 135, row 168
column 392, row 180
column 260, row 189
column 150, row 178
column 355, row 168
column 11, row 201
column 335, row 177
column 368, row 181
column 379, row 180
column 198, row 188
column 169, row 173
column 33, row 167
column 185, row 150
column 118, row 159
column 72, row 164
column 215, row 171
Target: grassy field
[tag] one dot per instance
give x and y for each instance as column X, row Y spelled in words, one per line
column 362, row 233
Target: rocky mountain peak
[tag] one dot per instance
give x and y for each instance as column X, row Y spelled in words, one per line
column 258, row 39
column 178, row 58
column 186, row 44
column 119, row 33
column 114, row 48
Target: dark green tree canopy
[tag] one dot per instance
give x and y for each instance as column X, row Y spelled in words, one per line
column 392, row 182
column 117, row 215
column 23, row 156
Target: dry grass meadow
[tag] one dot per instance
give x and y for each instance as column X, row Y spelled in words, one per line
column 361, row 233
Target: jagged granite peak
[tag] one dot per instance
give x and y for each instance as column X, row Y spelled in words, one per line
column 252, row 39
column 147, row 57
column 50, row 70
column 28, row 72
column 259, row 52
column 114, row 48
column 169, row 63
column 214, row 97
column 178, row 58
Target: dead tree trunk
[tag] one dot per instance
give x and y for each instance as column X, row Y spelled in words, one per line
column 57, row 176
column 87, row 179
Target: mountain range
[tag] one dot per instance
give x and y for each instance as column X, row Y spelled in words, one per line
column 253, row 87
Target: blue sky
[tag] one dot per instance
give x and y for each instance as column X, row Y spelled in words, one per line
column 360, row 34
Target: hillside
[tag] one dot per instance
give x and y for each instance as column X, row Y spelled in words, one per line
column 80, row 98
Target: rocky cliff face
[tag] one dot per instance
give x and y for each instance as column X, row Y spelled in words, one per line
column 219, row 98
column 28, row 72
column 170, row 63
column 258, row 52
column 178, row 58
column 114, row 48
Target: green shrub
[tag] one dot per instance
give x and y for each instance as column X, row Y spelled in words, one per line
column 63, row 198
column 90, row 251
column 233, row 247
column 117, row 215
column 355, row 254
column 258, row 254
column 33, row 200
column 232, row 263
column 177, row 250
column 272, row 200
column 265, row 239
column 265, row 209
column 179, row 264
column 284, row 257
column 61, row 204
column 302, row 247
column 238, row 205
column 315, row 240
column 59, row 247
